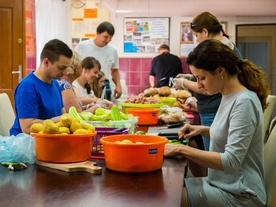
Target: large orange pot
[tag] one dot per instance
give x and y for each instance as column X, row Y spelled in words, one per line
column 135, row 157
column 63, row 148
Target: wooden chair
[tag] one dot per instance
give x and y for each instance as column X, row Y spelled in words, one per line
column 6, row 115
column 270, row 167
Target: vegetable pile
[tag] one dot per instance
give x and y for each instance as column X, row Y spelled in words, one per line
column 66, row 125
column 101, row 114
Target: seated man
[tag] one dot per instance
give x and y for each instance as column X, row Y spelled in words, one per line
column 37, row 97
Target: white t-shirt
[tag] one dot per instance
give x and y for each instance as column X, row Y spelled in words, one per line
column 107, row 55
column 82, row 90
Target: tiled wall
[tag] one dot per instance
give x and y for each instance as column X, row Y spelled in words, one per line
column 135, row 72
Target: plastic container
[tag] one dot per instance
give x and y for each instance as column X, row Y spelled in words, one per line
column 167, row 100
column 135, row 158
column 133, row 105
column 97, row 147
column 130, row 124
column 146, row 116
column 63, row 148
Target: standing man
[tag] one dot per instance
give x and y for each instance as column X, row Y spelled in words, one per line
column 164, row 67
column 38, row 97
column 105, row 53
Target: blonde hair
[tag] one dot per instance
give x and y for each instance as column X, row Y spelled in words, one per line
column 75, row 61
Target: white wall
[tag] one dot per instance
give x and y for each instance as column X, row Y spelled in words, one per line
column 117, row 40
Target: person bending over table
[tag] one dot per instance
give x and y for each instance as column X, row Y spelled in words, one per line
column 69, row 96
column 37, row 97
column 235, row 161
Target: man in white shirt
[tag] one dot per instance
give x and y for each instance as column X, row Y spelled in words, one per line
column 107, row 55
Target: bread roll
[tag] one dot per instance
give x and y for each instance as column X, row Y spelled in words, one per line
column 183, row 94
column 150, row 92
column 164, row 91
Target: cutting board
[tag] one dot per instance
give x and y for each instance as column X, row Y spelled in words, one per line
column 86, row 166
column 155, row 130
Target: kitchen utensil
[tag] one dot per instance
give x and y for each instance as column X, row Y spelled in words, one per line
column 86, row 166
column 174, row 136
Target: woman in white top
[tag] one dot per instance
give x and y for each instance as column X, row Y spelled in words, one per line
column 82, row 85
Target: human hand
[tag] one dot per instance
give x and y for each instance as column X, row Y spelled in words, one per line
column 172, row 150
column 178, row 83
column 108, row 103
column 188, row 131
column 191, row 103
column 117, row 92
column 185, row 75
column 92, row 109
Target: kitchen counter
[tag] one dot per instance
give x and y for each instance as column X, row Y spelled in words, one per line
column 39, row 186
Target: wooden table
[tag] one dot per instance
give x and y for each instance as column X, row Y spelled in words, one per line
column 38, row 186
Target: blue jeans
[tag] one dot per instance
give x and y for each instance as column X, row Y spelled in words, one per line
column 206, row 120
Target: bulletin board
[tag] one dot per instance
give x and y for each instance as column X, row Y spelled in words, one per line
column 145, row 35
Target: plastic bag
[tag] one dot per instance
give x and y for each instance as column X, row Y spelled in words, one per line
column 18, row 148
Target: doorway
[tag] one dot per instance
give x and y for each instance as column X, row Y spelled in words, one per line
column 12, row 45
column 257, row 43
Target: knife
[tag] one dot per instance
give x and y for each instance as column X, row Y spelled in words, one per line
column 174, row 136
column 169, row 126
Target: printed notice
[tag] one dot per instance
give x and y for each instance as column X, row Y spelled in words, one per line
column 145, row 35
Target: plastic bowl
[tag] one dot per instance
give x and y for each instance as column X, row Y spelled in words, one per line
column 63, row 148
column 167, row 100
column 134, row 158
column 133, row 105
column 146, row 116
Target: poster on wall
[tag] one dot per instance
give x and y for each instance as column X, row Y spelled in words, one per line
column 85, row 19
column 187, row 39
column 145, row 35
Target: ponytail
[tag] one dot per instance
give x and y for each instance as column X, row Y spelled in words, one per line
column 254, row 79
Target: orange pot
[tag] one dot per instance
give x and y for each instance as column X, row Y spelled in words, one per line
column 143, row 157
column 146, row 116
column 63, row 148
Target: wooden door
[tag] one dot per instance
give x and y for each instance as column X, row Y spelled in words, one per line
column 12, row 44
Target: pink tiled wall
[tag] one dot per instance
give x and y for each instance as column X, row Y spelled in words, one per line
column 135, row 72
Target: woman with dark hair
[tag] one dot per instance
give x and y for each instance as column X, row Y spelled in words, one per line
column 235, row 160
column 83, row 84
column 205, row 26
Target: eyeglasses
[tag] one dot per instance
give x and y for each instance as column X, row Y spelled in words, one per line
column 192, row 25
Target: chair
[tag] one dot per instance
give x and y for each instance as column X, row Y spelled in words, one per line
column 270, row 168
column 6, row 114
column 271, row 100
column 272, row 124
